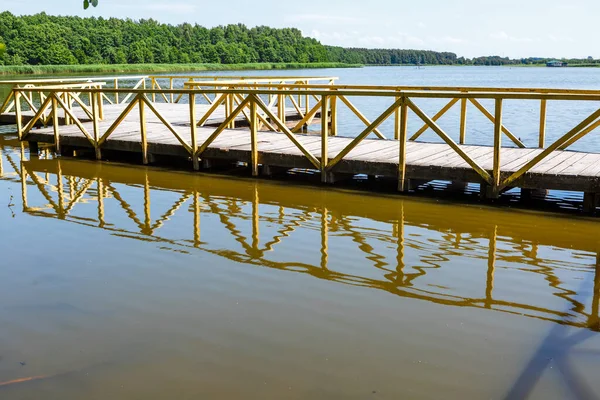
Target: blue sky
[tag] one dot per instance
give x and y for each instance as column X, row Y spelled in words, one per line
column 512, row 28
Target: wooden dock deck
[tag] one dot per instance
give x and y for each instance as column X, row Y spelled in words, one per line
column 564, row 170
column 255, row 123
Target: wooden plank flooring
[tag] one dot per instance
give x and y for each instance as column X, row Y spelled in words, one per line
column 566, row 170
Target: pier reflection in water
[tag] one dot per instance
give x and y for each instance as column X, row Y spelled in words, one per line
column 485, row 302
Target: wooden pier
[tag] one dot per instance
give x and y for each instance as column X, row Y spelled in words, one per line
column 261, row 123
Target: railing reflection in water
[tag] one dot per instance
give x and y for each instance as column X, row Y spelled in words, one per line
column 403, row 249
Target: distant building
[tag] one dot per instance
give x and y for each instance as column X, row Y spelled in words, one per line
column 556, row 63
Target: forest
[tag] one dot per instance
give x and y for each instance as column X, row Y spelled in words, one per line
column 41, row 39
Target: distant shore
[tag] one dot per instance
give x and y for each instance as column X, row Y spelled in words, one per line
column 162, row 68
column 588, row 65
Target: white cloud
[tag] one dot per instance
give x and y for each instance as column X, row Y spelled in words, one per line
column 501, row 35
column 448, row 39
column 321, row 18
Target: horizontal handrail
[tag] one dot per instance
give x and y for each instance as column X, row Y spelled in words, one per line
column 70, row 80
column 329, row 90
column 384, row 88
column 243, row 78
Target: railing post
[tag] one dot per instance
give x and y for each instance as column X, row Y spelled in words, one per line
column 463, row 121
column 334, row 121
column 229, row 109
column 18, row 114
column 153, row 83
column 66, row 100
column 95, row 122
column 141, row 105
column 281, row 107
column 397, row 122
column 497, row 146
column 306, row 102
column 117, row 93
column 402, row 127
column 171, row 87
column 55, row 123
column 542, row 138
column 253, row 137
column 324, row 138
column 195, row 161
column 100, row 104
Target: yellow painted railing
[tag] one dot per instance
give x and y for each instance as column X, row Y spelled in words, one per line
column 249, row 101
column 229, row 82
column 38, row 96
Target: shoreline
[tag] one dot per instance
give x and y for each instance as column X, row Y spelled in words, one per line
column 472, row 65
column 7, row 70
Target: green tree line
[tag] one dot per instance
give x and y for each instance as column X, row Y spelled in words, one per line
column 43, row 39
column 390, row 56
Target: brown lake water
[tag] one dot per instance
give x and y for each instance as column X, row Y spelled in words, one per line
column 124, row 282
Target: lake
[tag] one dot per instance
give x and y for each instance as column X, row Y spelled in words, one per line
column 126, row 282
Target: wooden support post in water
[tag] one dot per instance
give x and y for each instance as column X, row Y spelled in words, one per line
column 463, row 121
column 254, row 138
column 529, row 194
column 143, row 132
column 497, row 141
column 324, row 138
column 590, row 202
column 55, row 123
column 193, row 131
column 18, row 114
column 34, row 149
column 95, row 122
column 402, row 128
column 495, row 189
column 542, row 139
